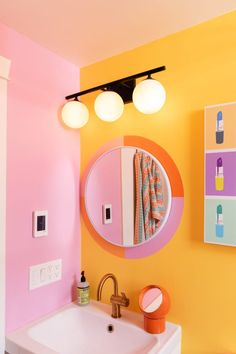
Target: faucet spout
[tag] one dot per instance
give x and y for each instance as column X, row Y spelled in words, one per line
column 102, row 282
column 116, row 300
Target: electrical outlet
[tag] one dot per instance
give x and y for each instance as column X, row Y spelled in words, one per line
column 44, row 273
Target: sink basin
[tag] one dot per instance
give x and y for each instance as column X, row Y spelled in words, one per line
column 90, row 330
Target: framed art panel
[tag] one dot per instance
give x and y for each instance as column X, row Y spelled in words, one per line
column 220, row 174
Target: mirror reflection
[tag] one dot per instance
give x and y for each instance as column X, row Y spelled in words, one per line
column 127, row 196
column 152, row 300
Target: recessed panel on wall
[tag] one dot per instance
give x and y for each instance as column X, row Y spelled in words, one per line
column 220, row 174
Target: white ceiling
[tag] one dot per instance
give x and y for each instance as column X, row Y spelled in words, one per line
column 91, row 30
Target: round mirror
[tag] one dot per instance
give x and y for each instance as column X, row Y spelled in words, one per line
column 151, row 300
column 127, row 196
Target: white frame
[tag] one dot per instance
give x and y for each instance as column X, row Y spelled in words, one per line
column 213, row 151
column 36, row 214
column 4, row 76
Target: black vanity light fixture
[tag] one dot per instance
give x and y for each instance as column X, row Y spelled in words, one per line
column 148, row 97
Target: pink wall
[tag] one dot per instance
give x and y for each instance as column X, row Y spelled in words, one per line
column 42, row 173
column 105, row 174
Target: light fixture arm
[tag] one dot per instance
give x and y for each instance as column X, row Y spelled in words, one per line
column 117, row 85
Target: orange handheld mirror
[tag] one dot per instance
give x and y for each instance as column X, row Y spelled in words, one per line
column 154, row 302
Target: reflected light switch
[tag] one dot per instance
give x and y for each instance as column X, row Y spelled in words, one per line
column 107, row 213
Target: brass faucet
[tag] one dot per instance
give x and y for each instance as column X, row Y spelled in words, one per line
column 116, row 300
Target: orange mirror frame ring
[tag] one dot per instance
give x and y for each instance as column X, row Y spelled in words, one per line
column 177, row 203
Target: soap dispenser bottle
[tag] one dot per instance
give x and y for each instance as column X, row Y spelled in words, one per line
column 83, row 291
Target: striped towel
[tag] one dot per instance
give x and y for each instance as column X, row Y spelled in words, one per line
column 149, row 206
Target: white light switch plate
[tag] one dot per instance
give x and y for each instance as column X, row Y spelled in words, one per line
column 40, row 223
column 44, row 273
column 107, row 214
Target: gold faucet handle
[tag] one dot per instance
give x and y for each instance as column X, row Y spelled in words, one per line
column 125, row 300
column 120, row 300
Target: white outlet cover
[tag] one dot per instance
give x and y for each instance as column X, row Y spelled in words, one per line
column 45, row 273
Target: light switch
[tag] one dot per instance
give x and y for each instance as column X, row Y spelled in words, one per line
column 44, row 273
column 40, row 223
column 107, row 214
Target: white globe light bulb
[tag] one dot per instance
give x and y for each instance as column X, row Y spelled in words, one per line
column 109, row 106
column 149, row 96
column 75, row 114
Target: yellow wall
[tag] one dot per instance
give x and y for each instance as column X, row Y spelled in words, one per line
column 201, row 278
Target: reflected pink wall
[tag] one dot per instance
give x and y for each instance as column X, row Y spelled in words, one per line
column 106, row 174
column 42, row 173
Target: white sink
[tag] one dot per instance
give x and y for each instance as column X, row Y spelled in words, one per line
column 91, row 330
